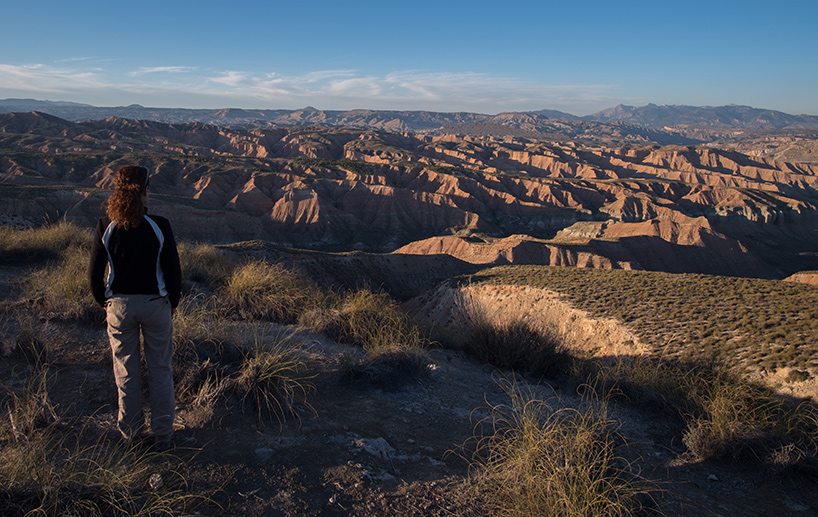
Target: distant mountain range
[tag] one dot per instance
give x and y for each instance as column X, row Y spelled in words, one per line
column 651, row 117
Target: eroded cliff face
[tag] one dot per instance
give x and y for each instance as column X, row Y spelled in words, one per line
column 448, row 311
column 482, row 200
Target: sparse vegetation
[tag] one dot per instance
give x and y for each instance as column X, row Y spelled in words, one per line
column 38, row 244
column 513, row 343
column 723, row 415
column 720, row 413
column 206, row 265
column 533, row 455
column 370, row 320
column 60, row 289
column 52, row 473
column 761, row 325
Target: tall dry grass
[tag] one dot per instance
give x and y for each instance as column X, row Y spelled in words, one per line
column 273, row 378
column 27, row 409
column 206, row 265
column 61, row 288
column 723, row 415
column 374, row 322
column 54, row 473
column 258, row 290
column 22, row 247
column 543, row 459
column 216, row 358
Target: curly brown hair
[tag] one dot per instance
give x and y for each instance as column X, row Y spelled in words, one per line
column 125, row 206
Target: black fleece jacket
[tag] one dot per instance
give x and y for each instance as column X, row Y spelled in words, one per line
column 138, row 263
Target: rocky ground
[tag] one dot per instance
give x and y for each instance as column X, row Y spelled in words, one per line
column 393, row 449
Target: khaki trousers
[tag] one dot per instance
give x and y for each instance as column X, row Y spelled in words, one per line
column 127, row 315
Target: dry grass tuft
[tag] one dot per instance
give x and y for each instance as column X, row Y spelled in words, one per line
column 370, row 320
column 206, row 265
column 28, row 409
column 724, row 415
column 273, row 379
column 269, row 292
column 542, row 460
column 20, row 247
column 60, row 290
column 509, row 341
column 515, row 345
column 53, row 474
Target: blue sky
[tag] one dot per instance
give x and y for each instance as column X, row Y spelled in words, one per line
column 578, row 56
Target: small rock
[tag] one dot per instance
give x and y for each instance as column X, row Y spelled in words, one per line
column 712, row 477
column 263, row 454
column 155, row 481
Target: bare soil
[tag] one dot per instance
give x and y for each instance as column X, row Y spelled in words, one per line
column 400, row 449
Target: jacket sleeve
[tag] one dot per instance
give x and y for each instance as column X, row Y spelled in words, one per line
column 97, row 264
column 171, row 267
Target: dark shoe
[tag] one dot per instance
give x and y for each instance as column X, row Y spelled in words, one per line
column 163, row 444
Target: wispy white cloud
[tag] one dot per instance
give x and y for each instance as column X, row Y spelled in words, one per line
column 75, row 59
column 185, row 86
column 163, row 69
column 233, row 78
column 43, row 78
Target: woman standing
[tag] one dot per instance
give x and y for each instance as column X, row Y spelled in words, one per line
column 141, row 291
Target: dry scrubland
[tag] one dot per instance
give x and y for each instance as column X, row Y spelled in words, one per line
column 238, row 351
column 762, row 327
